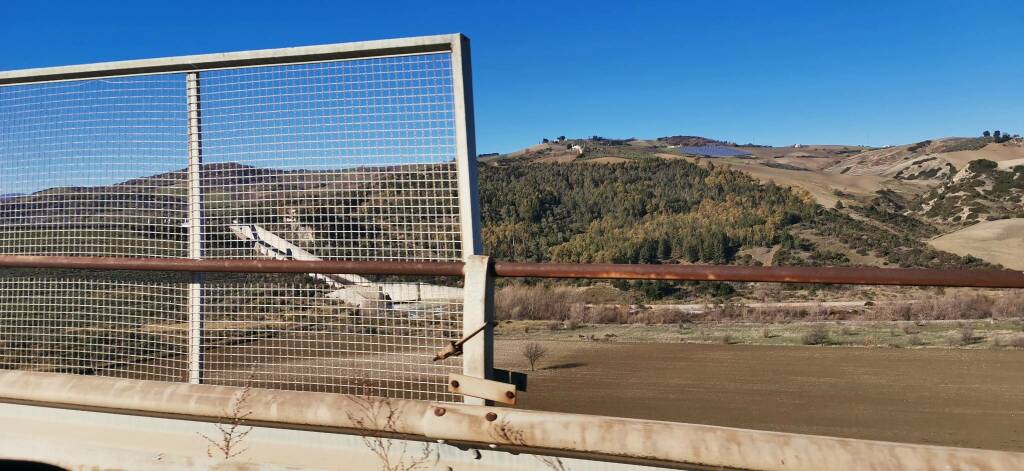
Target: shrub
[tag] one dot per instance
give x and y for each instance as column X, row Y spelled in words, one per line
column 521, row 302
column 967, row 335
column 659, row 316
column 915, row 340
column 818, row 335
column 957, row 306
column 726, row 339
column 607, row 314
column 1008, row 307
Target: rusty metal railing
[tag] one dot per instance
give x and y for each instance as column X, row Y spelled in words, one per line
column 651, row 442
column 820, row 275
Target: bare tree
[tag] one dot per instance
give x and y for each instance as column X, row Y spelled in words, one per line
column 534, row 352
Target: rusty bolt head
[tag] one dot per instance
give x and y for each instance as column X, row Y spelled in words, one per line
column 455, row 384
column 510, row 394
column 439, row 411
column 491, row 416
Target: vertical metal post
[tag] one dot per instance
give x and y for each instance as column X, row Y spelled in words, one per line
column 478, row 294
column 465, row 148
column 477, row 310
column 195, row 228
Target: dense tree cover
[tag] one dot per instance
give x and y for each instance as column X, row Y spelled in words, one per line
column 639, row 212
column 658, row 211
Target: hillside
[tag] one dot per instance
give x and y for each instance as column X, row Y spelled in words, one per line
column 920, row 190
column 999, row 241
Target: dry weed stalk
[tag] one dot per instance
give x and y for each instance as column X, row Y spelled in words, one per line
column 232, row 429
column 380, row 414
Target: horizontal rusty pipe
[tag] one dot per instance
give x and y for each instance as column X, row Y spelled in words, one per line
column 231, row 265
column 538, row 432
column 823, row 275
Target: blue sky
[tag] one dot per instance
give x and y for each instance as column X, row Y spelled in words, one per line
column 769, row 72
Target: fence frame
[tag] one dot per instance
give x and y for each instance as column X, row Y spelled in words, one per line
column 232, row 60
column 457, row 45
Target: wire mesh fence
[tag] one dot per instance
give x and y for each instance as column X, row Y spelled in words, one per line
column 87, row 326
column 348, row 160
column 353, row 340
column 337, row 160
column 93, row 167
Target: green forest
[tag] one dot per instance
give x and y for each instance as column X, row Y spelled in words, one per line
column 673, row 211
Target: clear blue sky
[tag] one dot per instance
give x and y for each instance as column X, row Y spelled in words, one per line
column 769, row 72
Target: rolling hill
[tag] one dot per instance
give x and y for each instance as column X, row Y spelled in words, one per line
column 919, row 191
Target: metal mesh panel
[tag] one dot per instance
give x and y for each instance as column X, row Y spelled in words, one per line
column 348, row 160
column 351, row 159
column 351, row 340
column 95, row 327
column 93, row 167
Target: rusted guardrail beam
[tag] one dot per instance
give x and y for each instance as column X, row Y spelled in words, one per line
column 545, row 433
column 609, row 271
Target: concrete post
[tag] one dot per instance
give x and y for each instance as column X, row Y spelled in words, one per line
column 478, row 309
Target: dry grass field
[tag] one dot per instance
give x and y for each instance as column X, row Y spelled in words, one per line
column 999, row 241
column 955, row 397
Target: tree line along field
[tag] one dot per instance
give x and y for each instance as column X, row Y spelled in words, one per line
column 958, row 319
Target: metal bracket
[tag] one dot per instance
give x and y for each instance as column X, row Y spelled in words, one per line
column 482, row 388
